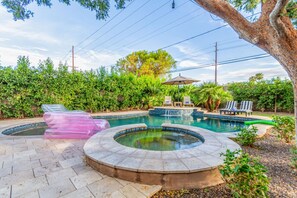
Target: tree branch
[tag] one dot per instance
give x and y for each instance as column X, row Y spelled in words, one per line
column 224, row 10
column 275, row 14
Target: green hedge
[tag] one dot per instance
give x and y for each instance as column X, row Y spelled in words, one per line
column 270, row 95
column 24, row 89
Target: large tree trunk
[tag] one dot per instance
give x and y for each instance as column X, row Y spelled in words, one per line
column 273, row 32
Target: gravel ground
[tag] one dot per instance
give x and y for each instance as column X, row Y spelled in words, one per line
column 274, row 154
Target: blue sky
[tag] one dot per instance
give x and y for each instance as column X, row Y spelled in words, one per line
column 143, row 25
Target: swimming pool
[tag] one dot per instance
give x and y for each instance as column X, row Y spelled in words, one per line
column 212, row 124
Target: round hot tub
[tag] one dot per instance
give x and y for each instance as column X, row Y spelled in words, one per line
column 157, row 158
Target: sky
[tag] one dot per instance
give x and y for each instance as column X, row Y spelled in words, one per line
column 142, row 25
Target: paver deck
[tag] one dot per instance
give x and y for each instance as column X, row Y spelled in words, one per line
column 36, row 167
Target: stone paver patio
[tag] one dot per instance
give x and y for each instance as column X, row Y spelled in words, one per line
column 36, row 167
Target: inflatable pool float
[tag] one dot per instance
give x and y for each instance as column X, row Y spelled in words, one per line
column 268, row 122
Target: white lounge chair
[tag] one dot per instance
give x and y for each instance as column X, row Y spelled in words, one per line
column 56, row 108
column 167, row 101
column 245, row 107
column 231, row 105
column 187, row 101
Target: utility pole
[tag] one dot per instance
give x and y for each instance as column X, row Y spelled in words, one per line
column 216, row 63
column 72, row 58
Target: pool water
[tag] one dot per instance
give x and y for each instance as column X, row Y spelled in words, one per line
column 158, row 140
column 215, row 125
column 30, row 131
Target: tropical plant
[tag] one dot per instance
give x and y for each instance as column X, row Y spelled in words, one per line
column 211, row 95
column 247, row 136
column 245, row 176
column 284, row 126
column 154, row 63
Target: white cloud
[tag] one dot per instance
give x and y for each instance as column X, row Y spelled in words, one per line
column 94, row 60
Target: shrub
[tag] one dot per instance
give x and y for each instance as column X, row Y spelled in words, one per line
column 247, row 136
column 285, row 127
column 245, row 176
column 293, row 150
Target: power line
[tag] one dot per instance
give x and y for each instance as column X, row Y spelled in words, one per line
column 225, row 62
column 136, row 10
column 104, row 24
column 192, row 37
column 147, row 24
column 150, row 35
column 127, row 28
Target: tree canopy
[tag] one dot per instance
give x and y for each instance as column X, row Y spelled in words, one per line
column 154, row 63
column 19, row 8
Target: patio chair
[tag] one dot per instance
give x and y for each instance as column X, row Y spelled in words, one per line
column 72, row 125
column 245, row 107
column 167, row 101
column 187, row 101
column 230, row 105
column 56, row 108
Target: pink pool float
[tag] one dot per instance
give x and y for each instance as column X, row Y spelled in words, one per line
column 72, row 125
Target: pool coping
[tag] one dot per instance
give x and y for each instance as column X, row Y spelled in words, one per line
column 104, row 149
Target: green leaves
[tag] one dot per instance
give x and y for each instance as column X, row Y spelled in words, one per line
column 245, row 176
column 153, row 63
column 285, row 127
column 24, row 89
column 20, row 11
column 247, row 136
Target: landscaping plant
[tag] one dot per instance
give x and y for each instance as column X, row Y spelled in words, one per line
column 247, row 136
column 284, row 127
column 293, row 150
column 245, row 176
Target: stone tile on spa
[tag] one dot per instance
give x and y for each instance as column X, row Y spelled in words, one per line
column 211, row 160
column 5, row 191
column 129, row 163
column 126, row 151
column 183, row 154
column 60, row 188
column 151, row 165
column 153, row 155
column 168, row 155
column 84, row 179
column 195, row 164
column 104, row 187
column 29, row 185
column 174, row 166
column 79, row 193
column 71, row 162
column 55, row 177
column 100, row 155
column 130, row 192
column 113, row 159
column 147, row 190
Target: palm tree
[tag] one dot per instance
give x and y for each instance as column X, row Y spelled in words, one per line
column 211, row 95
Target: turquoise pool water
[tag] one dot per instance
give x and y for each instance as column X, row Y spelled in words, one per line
column 158, row 140
column 215, row 125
